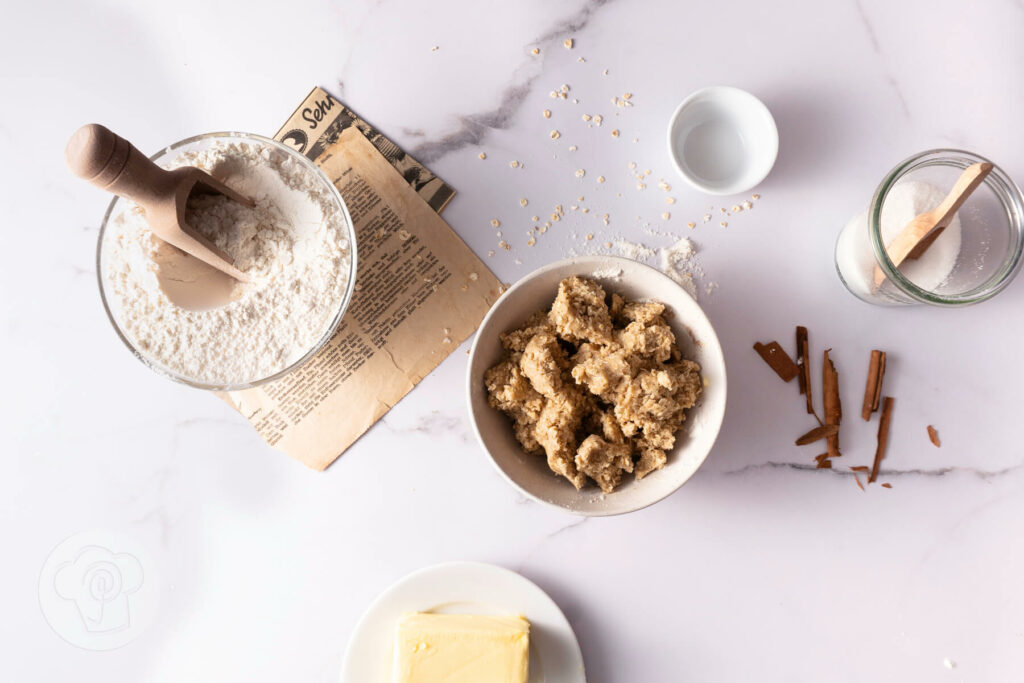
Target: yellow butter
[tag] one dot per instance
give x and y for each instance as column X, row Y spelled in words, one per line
column 461, row 648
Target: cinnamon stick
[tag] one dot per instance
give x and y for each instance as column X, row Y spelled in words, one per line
column 833, row 406
column 801, row 340
column 817, row 434
column 779, row 361
column 933, row 436
column 803, row 349
column 873, row 389
column 822, row 462
column 883, row 437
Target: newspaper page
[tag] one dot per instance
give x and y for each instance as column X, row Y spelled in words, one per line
column 420, row 291
column 320, row 119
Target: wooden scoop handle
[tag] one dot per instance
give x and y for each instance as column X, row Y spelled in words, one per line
column 111, row 163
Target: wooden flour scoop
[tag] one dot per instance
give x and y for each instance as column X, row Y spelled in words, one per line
column 112, row 163
column 920, row 232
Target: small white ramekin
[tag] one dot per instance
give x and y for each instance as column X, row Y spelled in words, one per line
column 723, row 140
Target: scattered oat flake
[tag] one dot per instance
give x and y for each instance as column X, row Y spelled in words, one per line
column 724, row 224
column 523, row 202
column 666, row 215
column 530, row 242
column 580, row 60
column 756, row 197
column 535, row 51
column 535, row 218
column 598, row 119
column 473, row 277
column 736, row 208
column 605, row 72
column 636, row 139
column 586, row 117
column 490, row 253
column 747, row 205
column 569, row 42
column 590, row 236
column 632, row 164
column 565, row 87
column 627, row 96
column 615, row 133
column 554, row 94
column 572, row 148
column 482, row 155
column 600, row 178
column 664, row 186
column 670, row 200
column 691, row 225
column 495, row 222
column 555, row 217
column 547, row 113
column 435, row 48
column 555, row 135
column 446, row 340
column 504, row 245
column 514, row 164
column 615, row 101
column 586, row 210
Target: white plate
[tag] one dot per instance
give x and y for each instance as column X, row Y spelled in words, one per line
column 464, row 588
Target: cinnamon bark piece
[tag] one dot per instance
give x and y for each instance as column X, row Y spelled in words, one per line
column 802, row 351
column 860, row 468
column 779, row 361
column 833, row 406
column 873, row 388
column 817, row 434
column 933, row 436
column 883, row 437
column 886, row 485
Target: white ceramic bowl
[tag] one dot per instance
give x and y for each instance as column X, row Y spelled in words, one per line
column 697, row 340
column 723, row 140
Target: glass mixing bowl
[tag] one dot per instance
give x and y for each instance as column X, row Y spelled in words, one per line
column 196, row 144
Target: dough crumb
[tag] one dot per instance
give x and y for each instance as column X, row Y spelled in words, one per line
column 597, row 384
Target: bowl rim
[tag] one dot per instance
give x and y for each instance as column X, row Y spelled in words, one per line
column 716, row 92
column 332, row 327
column 712, row 343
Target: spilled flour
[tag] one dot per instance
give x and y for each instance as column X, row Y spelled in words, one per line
column 677, row 263
column 293, row 245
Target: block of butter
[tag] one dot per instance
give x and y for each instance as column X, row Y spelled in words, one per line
column 461, row 648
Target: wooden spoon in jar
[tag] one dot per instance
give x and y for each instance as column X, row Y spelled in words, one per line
column 924, row 228
column 111, row 163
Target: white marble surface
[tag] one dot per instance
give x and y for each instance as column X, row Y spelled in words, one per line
column 760, row 568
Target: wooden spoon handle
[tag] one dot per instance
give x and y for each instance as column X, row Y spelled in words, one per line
column 964, row 186
column 111, row 163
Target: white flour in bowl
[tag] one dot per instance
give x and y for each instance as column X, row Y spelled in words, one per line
column 292, row 244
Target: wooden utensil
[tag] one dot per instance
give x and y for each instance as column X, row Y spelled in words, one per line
column 924, row 228
column 111, row 163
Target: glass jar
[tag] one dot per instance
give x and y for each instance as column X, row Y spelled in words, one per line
column 972, row 260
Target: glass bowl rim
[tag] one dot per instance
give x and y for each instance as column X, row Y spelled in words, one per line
column 332, row 327
column 994, row 284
